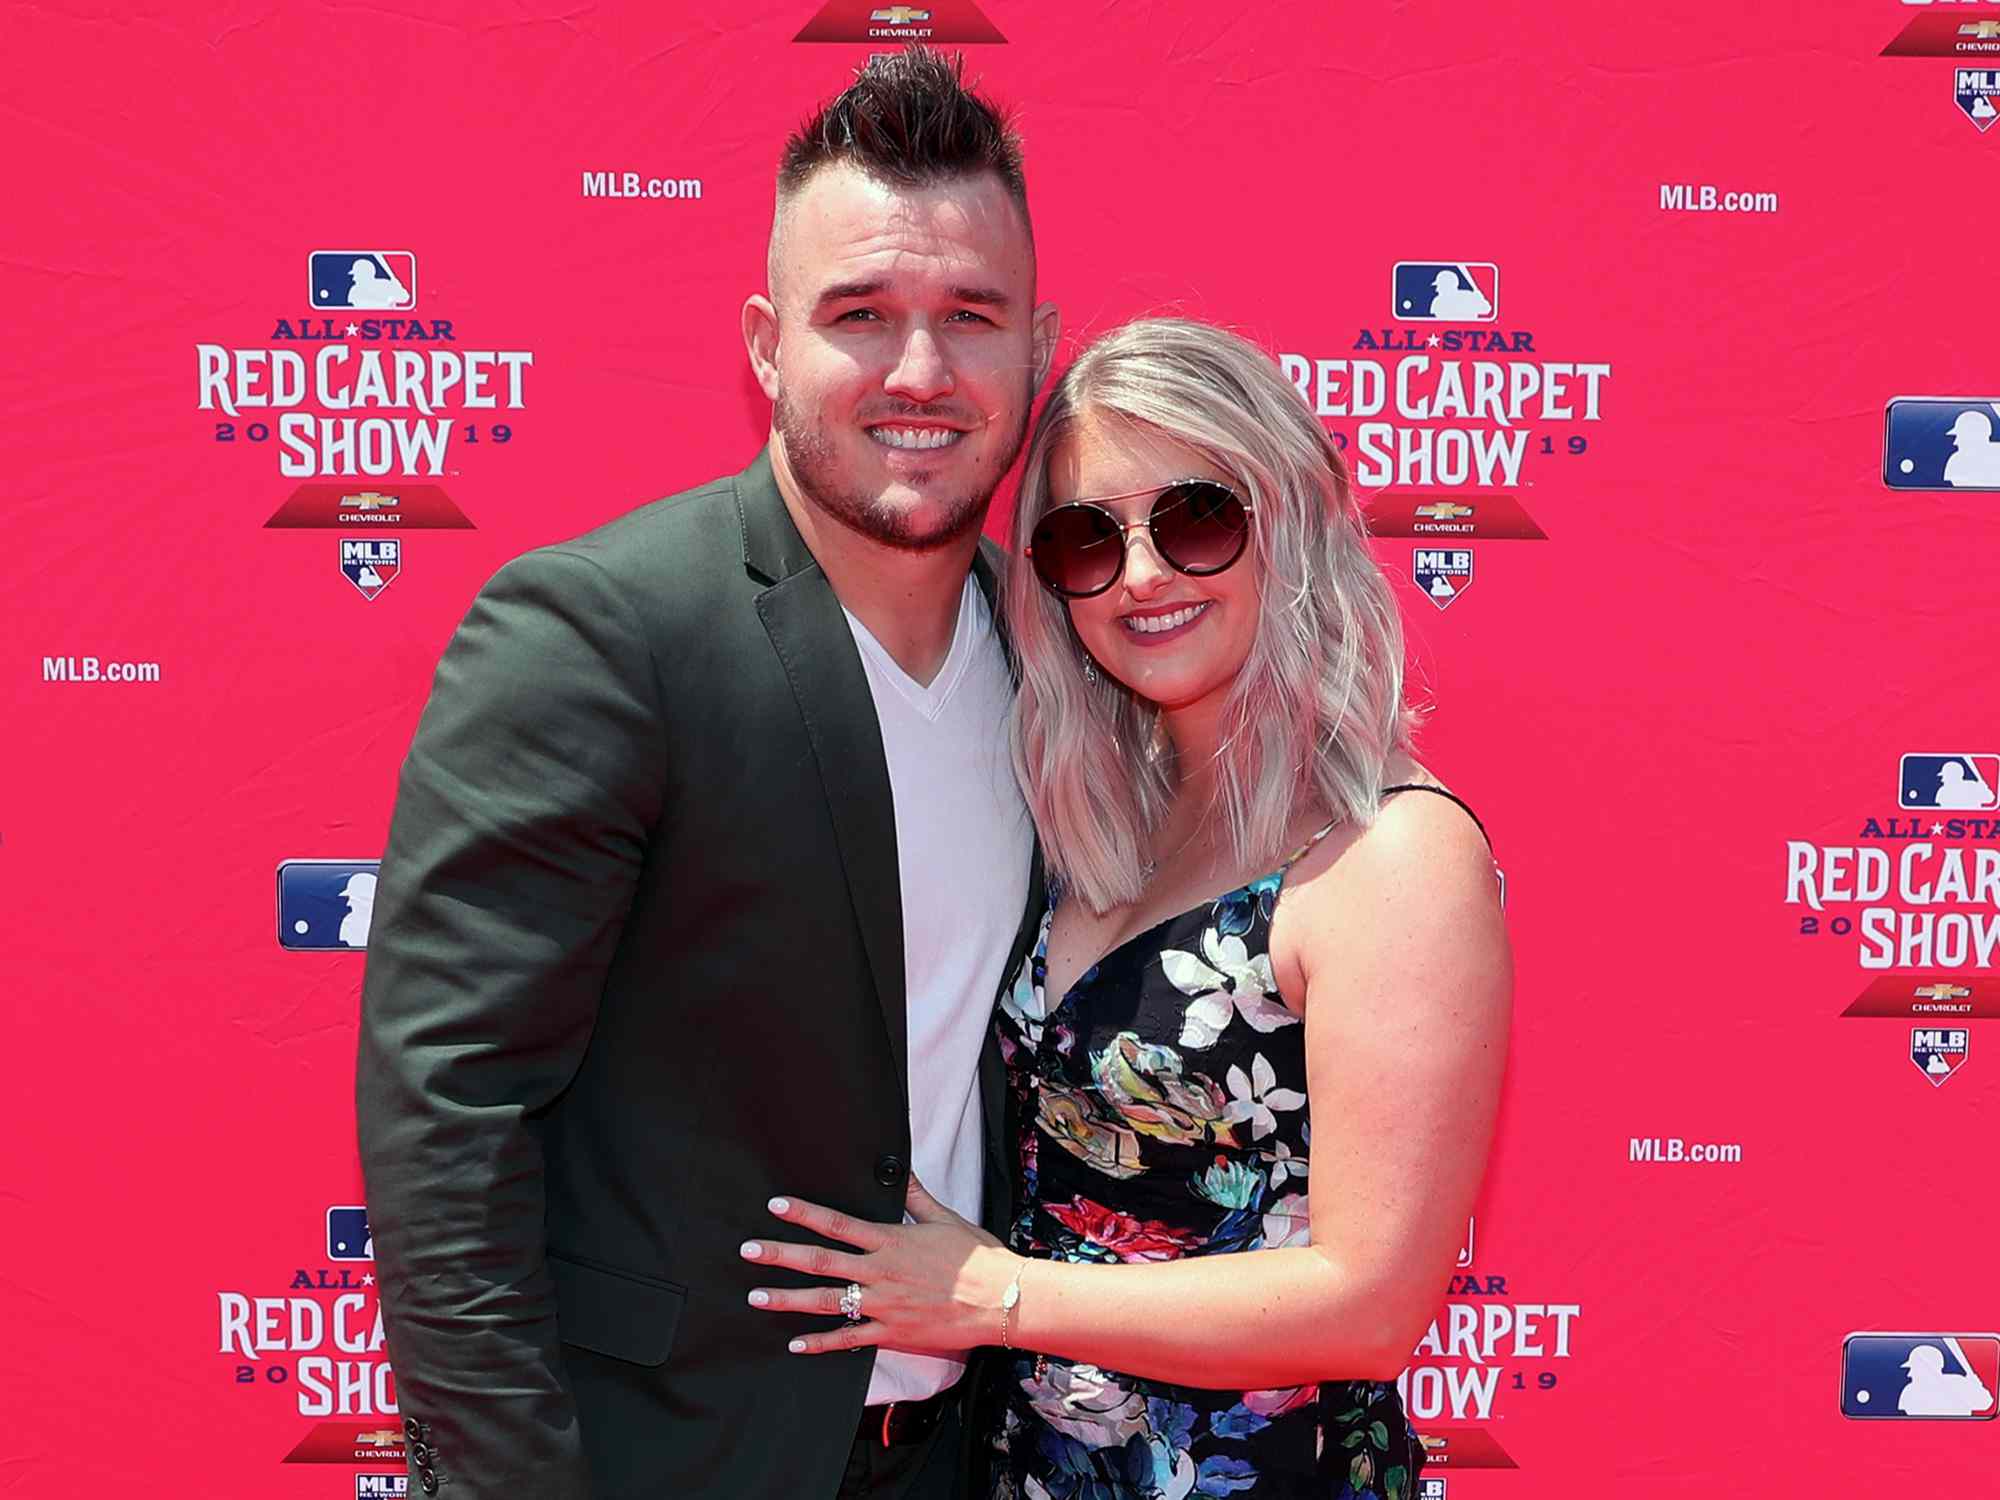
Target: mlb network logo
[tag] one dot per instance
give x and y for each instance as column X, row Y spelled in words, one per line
column 1941, row 443
column 347, row 1234
column 376, row 1486
column 1445, row 291
column 371, row 563
column 1443, row 573
column 365, row 280
column 1919, row 1376
column 326, row 905
column 1974, row 90
column 1939, row 1051
column 1431, row 1489
column 1960, row 782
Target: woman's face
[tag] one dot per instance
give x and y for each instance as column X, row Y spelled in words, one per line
column 1173, row 639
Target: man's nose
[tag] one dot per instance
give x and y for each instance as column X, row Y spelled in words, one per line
column 922, row 373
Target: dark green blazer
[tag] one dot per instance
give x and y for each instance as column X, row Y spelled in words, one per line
column 636, row 965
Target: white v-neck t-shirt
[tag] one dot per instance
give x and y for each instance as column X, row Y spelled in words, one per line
column 963, row 848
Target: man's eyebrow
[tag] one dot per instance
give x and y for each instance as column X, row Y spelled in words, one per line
column 850, row 291
column 980, row 296
column 847, row 291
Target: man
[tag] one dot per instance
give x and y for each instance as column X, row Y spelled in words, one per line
column 706, row 868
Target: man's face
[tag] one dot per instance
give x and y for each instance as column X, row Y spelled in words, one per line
column 905, row 351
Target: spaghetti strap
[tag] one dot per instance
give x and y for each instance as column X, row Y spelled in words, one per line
column 1418, row 786
column 1307, row 847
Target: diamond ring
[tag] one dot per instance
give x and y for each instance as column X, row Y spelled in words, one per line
column 850, row 1302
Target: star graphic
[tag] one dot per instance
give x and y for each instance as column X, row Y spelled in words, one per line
column 1434, row 340
column 1937, row 828
column 369, row 1279
column 353, row 329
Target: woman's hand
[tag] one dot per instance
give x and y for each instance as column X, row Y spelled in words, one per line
column 931, row 1287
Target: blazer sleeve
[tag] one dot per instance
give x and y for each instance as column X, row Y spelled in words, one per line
column 531, row 793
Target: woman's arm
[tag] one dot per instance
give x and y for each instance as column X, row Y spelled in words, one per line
column 1408, row 981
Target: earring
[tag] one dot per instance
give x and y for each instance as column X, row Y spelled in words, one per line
column 1090, row 671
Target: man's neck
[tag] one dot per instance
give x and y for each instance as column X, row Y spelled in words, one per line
column 908, row 600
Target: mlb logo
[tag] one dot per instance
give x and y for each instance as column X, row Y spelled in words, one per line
column 1942, row 443
column 1445, row 291
column 1431, row 1489
column 1443, row 573
column 1975, row 89
column 364, row 280
column 325, row 905
column 1963, row 782
column 347, row 1236
column 1938, row 1051
column 371, row 563
column 1919, row 1375
column 379, row 1486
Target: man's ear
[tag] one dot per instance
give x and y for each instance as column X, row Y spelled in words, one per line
column 1048, row 328
column 760, row 341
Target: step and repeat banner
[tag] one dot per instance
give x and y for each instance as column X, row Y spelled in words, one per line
column 1663, row 344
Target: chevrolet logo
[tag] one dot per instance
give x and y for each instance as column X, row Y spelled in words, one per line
column 1942, row 991
column 368, row 500
column 1986, row 31
column 1444, row 510
column 899, row 15
column 382, row 1437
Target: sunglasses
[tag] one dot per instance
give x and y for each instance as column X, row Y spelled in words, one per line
column 1198, row 526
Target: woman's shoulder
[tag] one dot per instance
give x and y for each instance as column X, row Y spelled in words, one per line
column 1423, row 864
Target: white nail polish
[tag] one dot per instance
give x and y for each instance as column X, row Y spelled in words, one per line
column 751, row 1250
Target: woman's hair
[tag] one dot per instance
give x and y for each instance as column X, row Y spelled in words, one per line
column 1318, row 707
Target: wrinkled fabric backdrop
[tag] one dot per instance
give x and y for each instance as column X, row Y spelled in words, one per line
column 1697, row 592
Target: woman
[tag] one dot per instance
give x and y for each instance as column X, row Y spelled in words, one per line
column 1250, row 1128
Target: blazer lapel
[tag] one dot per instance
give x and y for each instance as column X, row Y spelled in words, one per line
column 811, row 636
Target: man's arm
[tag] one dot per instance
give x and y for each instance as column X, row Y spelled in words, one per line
column 522, row 820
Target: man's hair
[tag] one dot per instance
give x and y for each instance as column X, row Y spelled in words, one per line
column 908, row 119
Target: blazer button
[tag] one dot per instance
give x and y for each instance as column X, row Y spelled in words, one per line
column 428, row 1481
column 414, row 1430
column 890, row 1171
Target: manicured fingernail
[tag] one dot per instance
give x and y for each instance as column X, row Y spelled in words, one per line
column 797, row 1346
column 760, row 1299
column 781, row 1205
column 752, row 1250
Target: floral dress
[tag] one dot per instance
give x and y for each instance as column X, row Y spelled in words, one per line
column 1162, row 1110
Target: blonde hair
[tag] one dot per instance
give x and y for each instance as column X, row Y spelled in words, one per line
column 1317, row 709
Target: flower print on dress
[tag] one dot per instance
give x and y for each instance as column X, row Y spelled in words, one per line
column 1083, row 1402
column 1071, row 1118
column 1231, row 1184
column 1143, row 1082
column 1128, row 1238
column 1288, row 1222
column 1279, row 1161
column 1223, row 978
column 1256, row 1096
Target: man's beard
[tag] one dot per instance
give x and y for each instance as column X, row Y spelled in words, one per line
column 813, row 460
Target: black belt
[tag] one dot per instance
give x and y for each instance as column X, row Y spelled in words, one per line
column 899, row 1422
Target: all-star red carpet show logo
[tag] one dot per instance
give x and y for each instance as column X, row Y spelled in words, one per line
column 363, row 399
column 1917, row 893
column 319, row 1344
column 1447, row 409
column 1486, row 1341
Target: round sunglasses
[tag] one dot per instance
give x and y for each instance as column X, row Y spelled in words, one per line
column 1198, row 526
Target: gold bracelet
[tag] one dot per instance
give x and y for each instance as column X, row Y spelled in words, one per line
column 1009, row 1300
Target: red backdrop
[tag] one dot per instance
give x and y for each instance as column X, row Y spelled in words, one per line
column 1710, row 632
